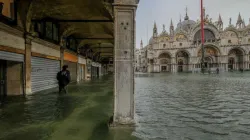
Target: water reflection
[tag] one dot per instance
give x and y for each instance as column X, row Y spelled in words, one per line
column 193, row 107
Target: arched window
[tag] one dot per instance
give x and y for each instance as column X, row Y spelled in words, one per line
column 209, row 35
column 164, row 45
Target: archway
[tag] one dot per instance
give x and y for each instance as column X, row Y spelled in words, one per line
column 235, row 59
column 209, row 36
column 211, row 54
column 182, row 59
column 165, row 62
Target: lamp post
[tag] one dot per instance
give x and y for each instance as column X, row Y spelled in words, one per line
column 202, row 38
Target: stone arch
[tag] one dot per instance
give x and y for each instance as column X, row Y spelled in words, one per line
column 183, row 50
column 182, row 59
column 181, row 37
column 163, row 54
column 217, row 50
column 164, row 60
column 232, row 29
column 236, row 58
column 209, row 27
column 238, row 48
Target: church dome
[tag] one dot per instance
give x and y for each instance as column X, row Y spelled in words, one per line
column 185, row 25
column 151, row 40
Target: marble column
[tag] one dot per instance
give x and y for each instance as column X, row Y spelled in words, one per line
column 124, row 27
column 27, row 64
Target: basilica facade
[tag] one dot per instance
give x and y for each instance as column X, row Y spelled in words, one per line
column 179, row 50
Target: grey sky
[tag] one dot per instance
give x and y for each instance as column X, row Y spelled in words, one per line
column 162, row 11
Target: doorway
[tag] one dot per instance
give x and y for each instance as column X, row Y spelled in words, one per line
column 3, row 91
column 163, row 68
column 180, row 66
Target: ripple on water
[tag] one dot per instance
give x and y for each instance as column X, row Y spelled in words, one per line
column 193, row 107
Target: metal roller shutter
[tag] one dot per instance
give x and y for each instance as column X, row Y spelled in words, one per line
column 43, row 73
column 11, row 56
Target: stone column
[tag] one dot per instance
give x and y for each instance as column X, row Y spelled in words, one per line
column 61, row 56
column 124, row 27
column 27, row 64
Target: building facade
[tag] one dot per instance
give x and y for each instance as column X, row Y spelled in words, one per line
column 179, row 50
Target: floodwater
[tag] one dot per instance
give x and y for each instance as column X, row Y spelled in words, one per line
column 168, row 107
column 80, row 115
column 193, row 107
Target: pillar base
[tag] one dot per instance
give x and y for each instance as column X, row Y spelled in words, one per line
column 123, row 123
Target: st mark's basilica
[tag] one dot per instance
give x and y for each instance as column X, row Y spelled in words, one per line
column 179, row 50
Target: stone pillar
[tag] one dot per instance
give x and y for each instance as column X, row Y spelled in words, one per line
column 124, row 27
column 61, row 56
column 27, row 65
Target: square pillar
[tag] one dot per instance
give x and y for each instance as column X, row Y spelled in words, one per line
column 124, row 27
column 27, row 65
column 61, row 56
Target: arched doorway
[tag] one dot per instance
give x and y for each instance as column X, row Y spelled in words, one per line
column 211, row 55
column 180, row 65
column 165, row 62
column 231, row 62
column 208, row 61
column 182, row 59
column 235, row 59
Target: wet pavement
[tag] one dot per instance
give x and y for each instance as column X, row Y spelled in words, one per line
column 80, row 115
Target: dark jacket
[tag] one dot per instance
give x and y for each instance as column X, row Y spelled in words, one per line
column 63, row 77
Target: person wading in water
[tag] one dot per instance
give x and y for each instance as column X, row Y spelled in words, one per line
column 63, row 78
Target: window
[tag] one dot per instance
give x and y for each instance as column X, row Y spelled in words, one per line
column 180, row 44
column 248, row 40
column 230, row 41
column 55, row 33
column 47, row 30
column 164, row 45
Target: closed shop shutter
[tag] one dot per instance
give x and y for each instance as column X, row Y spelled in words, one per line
column 81, row 72
column 72, row 67
column 11, row 56
column 43, row 73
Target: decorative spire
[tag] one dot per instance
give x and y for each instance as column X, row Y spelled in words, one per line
column 239, row 19
column 141, row 44
column 180, row 18
column 220, row 20
column 230, row 21
column 155, row 25
column 220, row 23
column 171, row 29
column 155, row 32
column 186, row 17
column 164, row 28
column 240, row 22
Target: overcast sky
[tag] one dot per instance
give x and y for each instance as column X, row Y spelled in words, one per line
column 162, row 11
